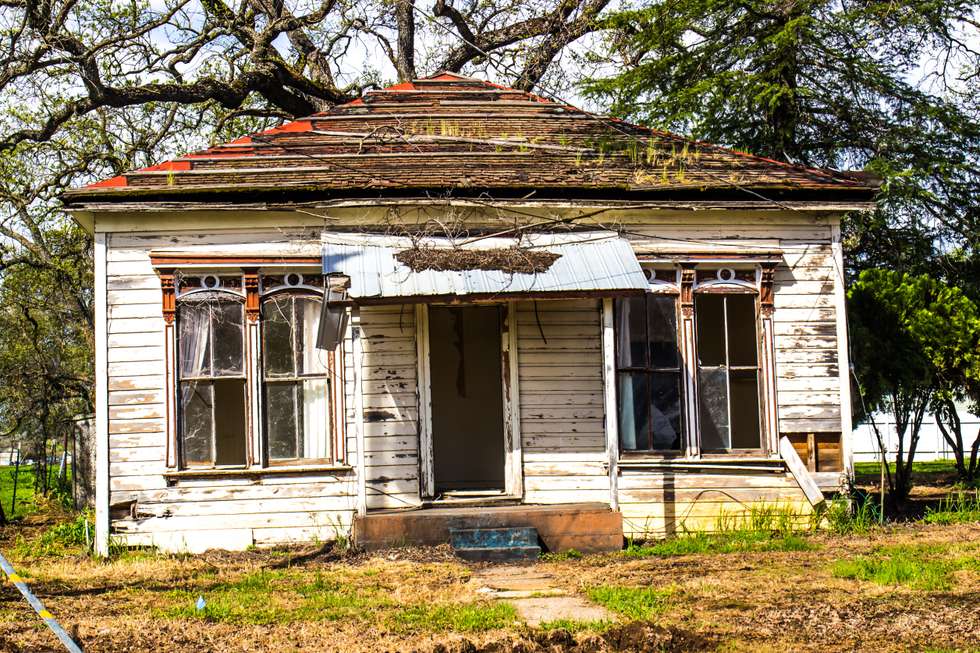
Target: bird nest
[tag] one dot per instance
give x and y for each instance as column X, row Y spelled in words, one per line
column 511, row 259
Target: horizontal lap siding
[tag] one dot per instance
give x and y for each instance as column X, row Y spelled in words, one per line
column 805, row 325
column 561, row 401
column 199, row 513
column 656, row 503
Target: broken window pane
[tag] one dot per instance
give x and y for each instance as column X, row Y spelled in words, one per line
column 713, row 409
column 280, row 420
column 195, row 421
column 296, row 379
column 634, row 411
column 665, row 419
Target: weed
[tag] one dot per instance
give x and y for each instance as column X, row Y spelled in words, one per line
column 959, row 508
column 924, row 568
column 731, row 542
column 575, row 626
column 61, row 539
column 858, row 515
column 460, row 617
column 559, row 556
column 632, row 602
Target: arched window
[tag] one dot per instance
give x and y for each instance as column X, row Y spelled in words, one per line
column 211, row 376
column 296, row 382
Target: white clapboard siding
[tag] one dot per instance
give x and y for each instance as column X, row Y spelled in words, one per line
column 559, row 354
column 656, row 503
column 199, row 513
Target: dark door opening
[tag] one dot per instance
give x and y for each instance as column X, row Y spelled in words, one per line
column 467, row 398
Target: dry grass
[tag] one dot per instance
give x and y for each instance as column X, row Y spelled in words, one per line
column 308, row 599
column 509, row 259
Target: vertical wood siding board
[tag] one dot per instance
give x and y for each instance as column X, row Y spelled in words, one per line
column 611, row 412
column 102, row 481
column 357, row 356
column 844, row 363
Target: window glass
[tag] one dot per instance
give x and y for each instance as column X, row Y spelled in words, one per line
column 743, row 346
column 296, row 382
column 709, row 314
column 649, row 379
column 211, row 374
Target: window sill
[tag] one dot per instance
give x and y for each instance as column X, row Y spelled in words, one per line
column 254, row 472
column 730, row 463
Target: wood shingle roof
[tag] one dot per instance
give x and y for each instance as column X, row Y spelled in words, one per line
column 449, row 133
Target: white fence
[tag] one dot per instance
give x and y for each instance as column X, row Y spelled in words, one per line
column 931, row 446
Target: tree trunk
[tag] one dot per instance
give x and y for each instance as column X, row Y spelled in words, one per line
column 405, row 17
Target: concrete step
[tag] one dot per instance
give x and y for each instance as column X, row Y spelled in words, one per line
column 499, row 553
column 585, row 527
column 470, row 538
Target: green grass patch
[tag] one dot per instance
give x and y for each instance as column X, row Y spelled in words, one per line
column 869, row 469
column 275, row 596
column 560, row 556
column 923, row 568
column 458, row 617
column 961, row 507
column 26, row 502
column 575, row 626
column 732, row 542
column 65, row 538
column 638, row 603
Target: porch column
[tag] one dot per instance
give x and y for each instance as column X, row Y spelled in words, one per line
column 609, row 397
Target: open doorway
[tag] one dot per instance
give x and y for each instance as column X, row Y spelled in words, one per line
column 467, row 398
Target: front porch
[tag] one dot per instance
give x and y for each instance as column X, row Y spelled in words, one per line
column 585, row 527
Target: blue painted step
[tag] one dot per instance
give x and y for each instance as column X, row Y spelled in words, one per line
column 519, row 543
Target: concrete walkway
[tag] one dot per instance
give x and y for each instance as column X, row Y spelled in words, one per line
column 535, row 596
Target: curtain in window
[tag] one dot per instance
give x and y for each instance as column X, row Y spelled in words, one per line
column 296, row 382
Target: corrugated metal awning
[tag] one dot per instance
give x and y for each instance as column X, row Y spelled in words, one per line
column 589, row 263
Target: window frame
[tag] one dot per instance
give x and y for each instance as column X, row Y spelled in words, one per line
column 334, row 421
column 238, row 298
column 744, row 275
column 728, row 290
column 658, row 289
column 248, row 280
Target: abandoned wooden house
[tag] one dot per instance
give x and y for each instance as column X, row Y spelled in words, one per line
column 450, row 304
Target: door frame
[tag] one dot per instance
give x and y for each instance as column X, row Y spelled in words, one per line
column 510, row 394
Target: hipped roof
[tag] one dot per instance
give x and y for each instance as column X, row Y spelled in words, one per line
column 453, row 134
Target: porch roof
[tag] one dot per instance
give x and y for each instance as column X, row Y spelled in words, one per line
column 588, row 263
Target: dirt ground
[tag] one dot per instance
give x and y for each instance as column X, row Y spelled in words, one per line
column 403, row 600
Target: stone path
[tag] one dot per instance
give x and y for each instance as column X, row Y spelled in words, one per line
column 534, row 594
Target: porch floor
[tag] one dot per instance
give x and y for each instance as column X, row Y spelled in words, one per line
column 585, row 527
